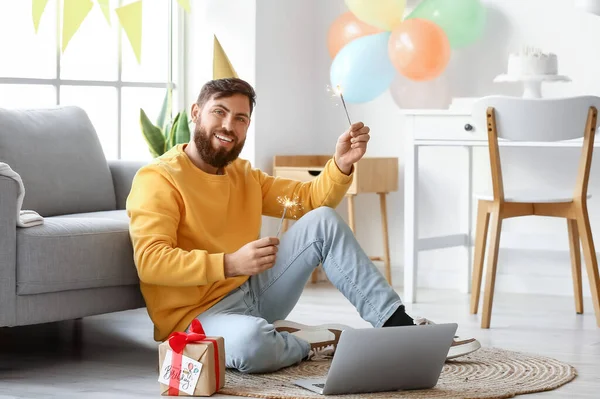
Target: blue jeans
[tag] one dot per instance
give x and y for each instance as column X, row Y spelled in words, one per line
column 244, row 317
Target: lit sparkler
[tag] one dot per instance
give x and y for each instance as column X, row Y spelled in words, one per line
column 287, row 203
column 339, row 92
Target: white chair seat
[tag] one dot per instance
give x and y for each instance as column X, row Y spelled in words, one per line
column 530, row 196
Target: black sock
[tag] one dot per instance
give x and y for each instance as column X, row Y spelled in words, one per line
column 399, row 318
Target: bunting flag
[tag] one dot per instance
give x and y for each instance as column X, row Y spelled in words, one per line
column 74, row 12
column 185, row 4
column 130, row 17
column 37, row 9
column 104, row 6
column 222, row 67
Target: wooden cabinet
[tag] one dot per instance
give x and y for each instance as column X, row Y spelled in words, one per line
column 371, row 175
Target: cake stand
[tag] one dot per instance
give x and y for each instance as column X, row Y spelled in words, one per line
column 532, row 84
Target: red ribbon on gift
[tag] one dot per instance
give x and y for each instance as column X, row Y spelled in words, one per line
column 178, row 341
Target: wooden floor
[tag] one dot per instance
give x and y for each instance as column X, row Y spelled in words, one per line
column 116, row 357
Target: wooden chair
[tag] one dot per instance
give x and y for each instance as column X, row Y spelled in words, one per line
column 536, row 120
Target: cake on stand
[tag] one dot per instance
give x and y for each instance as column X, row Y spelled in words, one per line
column 531, row 67
column 532, row 84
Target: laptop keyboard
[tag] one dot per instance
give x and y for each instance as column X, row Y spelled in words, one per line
column 319, row 385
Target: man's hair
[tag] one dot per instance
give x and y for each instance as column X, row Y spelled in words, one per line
column 220, row 88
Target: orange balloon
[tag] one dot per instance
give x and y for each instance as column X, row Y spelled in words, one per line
column 345, row 29
column 419, row 49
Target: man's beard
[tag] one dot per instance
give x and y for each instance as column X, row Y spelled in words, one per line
column 219, row 158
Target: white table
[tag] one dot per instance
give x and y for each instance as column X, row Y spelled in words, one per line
column 443, row 128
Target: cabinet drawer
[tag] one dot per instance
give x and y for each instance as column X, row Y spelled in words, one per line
column 446, row 127
column 297, row 173
column 306, row 174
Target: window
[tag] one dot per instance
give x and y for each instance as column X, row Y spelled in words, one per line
column 98, row 71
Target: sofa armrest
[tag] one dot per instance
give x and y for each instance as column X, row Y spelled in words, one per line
column 8, row 251
column 123, row 173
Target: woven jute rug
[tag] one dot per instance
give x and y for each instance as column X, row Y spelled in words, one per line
column 487, row 373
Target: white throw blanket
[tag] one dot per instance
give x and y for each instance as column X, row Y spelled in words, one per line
column 24, row 218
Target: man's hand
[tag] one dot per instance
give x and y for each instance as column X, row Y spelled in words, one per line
column 253, row 258
column 351, row 146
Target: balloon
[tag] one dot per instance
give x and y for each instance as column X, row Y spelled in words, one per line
column 462, row 20
column 345, row 29
column 419, row 49
column 409, row 94
column 384, row 14
column 363, row 69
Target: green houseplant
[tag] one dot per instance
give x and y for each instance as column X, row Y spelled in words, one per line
column 166, row 133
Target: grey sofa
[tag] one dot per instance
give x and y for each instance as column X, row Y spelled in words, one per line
column 80, row 261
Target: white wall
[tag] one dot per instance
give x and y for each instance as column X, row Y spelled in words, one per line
column 285, row 50
column 280, row 46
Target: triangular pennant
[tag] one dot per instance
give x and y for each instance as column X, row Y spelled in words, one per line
column 37, row 9
column 185, row 4
column 130, row 17
column 104, row 6
column 222, row 67
column 74, row 12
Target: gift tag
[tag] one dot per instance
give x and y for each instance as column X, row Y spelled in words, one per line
column 187, row 374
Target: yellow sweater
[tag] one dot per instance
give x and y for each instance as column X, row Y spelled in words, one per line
column 183, row 221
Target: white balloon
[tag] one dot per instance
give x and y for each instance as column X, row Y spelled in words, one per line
column 431, row 94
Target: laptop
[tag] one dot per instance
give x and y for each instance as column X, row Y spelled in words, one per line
column 386, row 359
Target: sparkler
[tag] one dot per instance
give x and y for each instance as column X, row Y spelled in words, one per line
column 287, row 203
column 339, row 92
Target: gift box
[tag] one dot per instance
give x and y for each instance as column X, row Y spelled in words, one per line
column 191, row 364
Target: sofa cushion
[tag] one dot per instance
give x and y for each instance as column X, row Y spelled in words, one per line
column 80, row 251
column 59, row 157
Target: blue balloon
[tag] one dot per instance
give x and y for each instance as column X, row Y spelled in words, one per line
column 363, row 68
